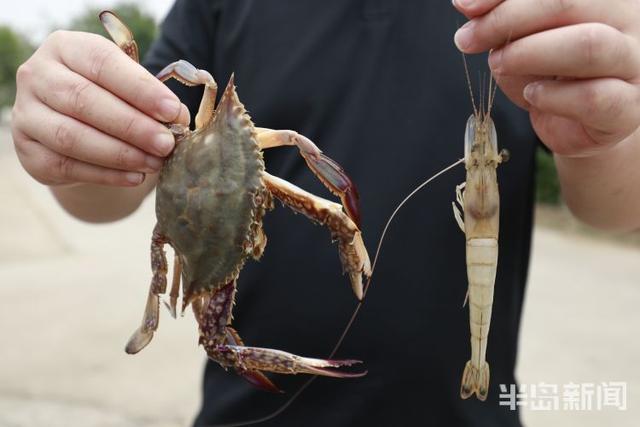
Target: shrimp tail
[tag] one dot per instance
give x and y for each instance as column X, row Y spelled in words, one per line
column 475, row 380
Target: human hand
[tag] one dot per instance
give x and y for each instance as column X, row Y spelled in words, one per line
column 573, row 64
column 86, row 113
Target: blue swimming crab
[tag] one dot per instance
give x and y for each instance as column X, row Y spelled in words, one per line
column 211, row 196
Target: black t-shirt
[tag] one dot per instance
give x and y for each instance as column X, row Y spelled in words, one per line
column 379, row 87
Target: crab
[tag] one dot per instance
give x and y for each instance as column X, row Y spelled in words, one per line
column 211, row 196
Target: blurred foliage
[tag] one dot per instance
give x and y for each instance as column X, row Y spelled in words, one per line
column 547, row 184
column 141, row 24
column 14, row 50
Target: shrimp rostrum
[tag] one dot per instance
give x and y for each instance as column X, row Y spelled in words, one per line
column 479, row 198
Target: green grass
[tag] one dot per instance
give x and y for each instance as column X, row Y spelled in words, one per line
column 547, row 184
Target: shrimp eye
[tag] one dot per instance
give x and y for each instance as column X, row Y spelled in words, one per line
column 469, row 137
column 493, row 135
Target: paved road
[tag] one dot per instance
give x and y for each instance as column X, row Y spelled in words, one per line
column 71, row 293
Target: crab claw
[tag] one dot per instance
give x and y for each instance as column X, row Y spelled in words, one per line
column 355, row 255
column 270, row 360
column 326, row 367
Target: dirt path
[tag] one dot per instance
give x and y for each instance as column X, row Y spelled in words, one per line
column 579, row 323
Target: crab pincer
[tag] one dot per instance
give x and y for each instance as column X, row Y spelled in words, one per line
column 224, row 345
column 344, row 227
column 267, row 359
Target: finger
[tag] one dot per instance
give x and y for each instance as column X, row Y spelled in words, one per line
column 51, row 168
column 72, row 138
column 106, row 65
column 514, row 19
column 609, row 109
column 513, row 87
column 564, row 136
column 583, row 50
column 73, row 95
column 184, row 118
column 473, row 8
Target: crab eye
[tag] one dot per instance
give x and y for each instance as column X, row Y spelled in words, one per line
column 469, row 137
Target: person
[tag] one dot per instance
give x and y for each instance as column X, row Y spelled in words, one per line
column 379, row 87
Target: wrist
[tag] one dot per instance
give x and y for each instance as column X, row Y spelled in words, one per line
column 599, row 189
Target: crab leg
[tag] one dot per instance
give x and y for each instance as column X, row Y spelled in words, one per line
column 353, row 254
column 175, row 285
column 180, row 70
column 330, row 173
column 143, row 335
column 120, row 34
column 223, row 344
column 189, row 75
column 196, row 306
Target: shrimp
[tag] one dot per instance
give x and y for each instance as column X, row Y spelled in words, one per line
column 480, row 201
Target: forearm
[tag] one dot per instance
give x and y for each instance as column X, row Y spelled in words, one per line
column 604, row 190
column 99, row 203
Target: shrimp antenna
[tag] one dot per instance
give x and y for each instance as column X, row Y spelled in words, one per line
column 482, row 88
column 308, row 382
column 492, row 93
column 481, row 84
column 466, row 73
column 492, row 96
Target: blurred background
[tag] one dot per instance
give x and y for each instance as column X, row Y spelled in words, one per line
column 68, row 303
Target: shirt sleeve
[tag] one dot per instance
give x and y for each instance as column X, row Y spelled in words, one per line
column 188, row 32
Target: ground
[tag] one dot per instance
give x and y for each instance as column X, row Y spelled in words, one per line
column 72, row 293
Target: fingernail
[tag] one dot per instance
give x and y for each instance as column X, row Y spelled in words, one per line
column 153, row 163
column 169, row 108
column 464, row 3
column 163, row 143
column 495, row 61
column 464, row 36
column 529, row 92
column 134, row 177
